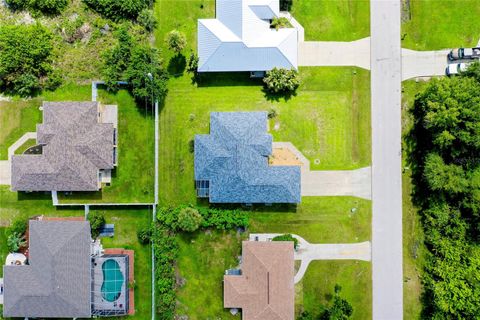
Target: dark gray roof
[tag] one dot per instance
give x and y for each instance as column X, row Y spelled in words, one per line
column 234, row 159
column 76, row 146
column 56, row 283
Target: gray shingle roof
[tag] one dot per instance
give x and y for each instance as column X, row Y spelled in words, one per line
column 234, row 158
column 56, row 283
column 76, row 146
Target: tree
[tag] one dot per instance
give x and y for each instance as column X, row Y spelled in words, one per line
column 176, row 41
column 25, row 58
column 139, row 65
column 15, row 241
column 340, row 309
column 281, row 80
column 144, row 234
column 189, row 219
column 147, row 19
column 97, row 221
column 118, row 10
column 192, row 65
column 287, row 237
column 44, row 6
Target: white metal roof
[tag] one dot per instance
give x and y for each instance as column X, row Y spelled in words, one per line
column 240, row 38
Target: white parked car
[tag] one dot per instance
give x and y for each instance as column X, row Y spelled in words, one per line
column 456, row 68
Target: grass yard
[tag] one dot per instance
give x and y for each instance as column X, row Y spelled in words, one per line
column 132, row 180
column 433, row 24
column 24, row 147
column 413, row 247
column 127, row 221
column 203, row 259
column 327, row 20
column 205, row 256
column 328, row 120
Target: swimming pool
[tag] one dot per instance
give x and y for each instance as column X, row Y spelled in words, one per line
column 112, row 280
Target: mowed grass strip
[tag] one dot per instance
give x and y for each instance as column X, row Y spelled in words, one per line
column 327, row 20
column 433, row 25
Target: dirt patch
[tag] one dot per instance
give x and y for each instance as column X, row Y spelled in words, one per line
column 283, row 157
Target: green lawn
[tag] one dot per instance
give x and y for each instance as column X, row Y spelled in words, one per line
column 132, row 180
column 413, row 247
column 24, row 147
column 127, row 221
column 328, row 120
column 433, row 24
column 205, row 256
column 327, row 20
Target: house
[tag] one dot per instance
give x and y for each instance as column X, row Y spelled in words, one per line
column 67, row 275
column 231, row 163
column 241, row 38
column 78, row 149
column 264, row 287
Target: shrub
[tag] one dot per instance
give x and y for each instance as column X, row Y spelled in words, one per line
column 287, row 237
column 117, row 10
column 25, row 58
column 192, row 65
column 97, row 220
column 44, row 6
column 189, row 219
column 144, row 234
column 176, row 41
column 15, row 241
column 18, row 226
column 147, row 19
column 286, row 5
column 340, row 309
column 281, row 80
column 281, row 22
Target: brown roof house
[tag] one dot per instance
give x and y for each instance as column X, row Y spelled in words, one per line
column 78, row 145
column 264, row 287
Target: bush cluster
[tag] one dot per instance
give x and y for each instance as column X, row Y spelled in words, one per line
column 138, row 64
column 444, row 149
column 16, row 235
column 97, row 221
column 26, row 60
column 287, row 237
column 281, row 80
column 207, row 218
column 43, row 6
column 166, row 251
column 117, row 10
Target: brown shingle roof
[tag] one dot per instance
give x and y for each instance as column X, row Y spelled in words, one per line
column 265, row 290
column 75, row 147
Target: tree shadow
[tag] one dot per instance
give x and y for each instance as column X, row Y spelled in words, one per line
column 176, row 65
column 224, row 79
column 275, row 97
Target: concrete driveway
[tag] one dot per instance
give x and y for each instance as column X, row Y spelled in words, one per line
column 5, row 172
column 355, row 183
column 335, row 53
column 308, row 252
column 423, row 63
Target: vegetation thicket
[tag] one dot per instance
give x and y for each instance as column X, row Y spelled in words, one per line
column 444, row 153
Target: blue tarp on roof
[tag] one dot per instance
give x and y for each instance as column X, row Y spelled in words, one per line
column 234, row 159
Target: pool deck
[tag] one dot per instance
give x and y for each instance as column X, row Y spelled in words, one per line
column 131, row 275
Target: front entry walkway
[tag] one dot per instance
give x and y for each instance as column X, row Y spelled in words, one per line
column 308, row 252
column 5, row 165
column 355, row 183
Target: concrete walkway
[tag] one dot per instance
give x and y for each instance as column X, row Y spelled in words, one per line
column 386, row 78
column 308, row 252
column 355, row 183
column 335, row 53
column 5, row 165
column 423, row 63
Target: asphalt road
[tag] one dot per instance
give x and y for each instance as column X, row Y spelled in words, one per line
column 386, row 77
